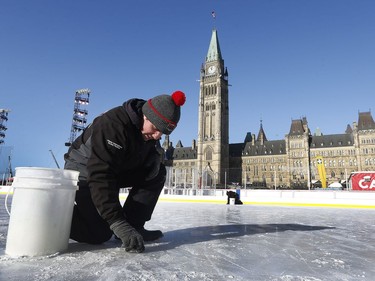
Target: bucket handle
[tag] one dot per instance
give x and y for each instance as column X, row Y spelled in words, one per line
column 6, row 199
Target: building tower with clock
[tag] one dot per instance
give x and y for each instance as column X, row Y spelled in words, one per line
column 213, row 118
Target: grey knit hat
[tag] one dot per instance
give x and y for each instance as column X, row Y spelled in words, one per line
column 164, row 111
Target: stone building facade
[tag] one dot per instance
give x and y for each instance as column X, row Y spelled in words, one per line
column 211, row 161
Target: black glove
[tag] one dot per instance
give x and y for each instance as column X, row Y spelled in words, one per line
column 131, row 239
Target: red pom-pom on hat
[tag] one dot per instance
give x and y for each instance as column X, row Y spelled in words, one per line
column 179, row 98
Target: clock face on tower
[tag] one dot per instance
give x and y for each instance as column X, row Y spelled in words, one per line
column 212, row 69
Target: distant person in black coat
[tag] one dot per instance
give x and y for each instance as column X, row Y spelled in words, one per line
column 232, row 194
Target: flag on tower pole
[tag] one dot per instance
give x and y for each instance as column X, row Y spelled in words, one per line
column 321, row 171
column 213, row 14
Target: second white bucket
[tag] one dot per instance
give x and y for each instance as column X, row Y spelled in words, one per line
column 41, row 212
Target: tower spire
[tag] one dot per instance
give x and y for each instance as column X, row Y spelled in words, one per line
column 261, row 135
column 214, row 53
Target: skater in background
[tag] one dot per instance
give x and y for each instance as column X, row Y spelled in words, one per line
column 232, row 194
column 121, row 149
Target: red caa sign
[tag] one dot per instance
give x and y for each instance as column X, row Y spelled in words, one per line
column 363, row 181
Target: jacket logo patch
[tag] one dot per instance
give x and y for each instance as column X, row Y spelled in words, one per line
column 111, row 143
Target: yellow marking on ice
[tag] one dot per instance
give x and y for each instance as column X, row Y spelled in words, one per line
column 351, row 206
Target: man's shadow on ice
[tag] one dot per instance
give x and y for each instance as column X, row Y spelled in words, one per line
column 175, row 238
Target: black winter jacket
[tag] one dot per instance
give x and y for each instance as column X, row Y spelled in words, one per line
column 111, row 154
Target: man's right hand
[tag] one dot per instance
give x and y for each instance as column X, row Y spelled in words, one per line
column 131, row 239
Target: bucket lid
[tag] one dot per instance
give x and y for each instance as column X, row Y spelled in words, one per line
column 46, row 173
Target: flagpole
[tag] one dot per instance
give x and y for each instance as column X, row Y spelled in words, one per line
column 213, row 14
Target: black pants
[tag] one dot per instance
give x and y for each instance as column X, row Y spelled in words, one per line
column 89, row 227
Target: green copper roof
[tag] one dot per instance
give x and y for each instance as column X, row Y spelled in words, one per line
column 214, row 52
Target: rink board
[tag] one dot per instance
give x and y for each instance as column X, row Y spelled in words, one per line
column 313, row 198
column 321, row 198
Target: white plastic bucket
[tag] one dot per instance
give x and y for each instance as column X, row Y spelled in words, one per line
column 232, row 201
column 41, row 212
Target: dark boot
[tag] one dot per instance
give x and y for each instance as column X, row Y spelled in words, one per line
column 150, row 235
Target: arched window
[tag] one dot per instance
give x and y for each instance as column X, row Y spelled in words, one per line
column 208, row 153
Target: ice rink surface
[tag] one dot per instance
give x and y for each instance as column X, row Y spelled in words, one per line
column 206, row 241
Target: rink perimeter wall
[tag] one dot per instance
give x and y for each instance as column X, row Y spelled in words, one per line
column 312, row 198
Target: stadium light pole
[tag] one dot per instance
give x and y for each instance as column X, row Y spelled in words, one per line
column 3, row 120
column 79, row 121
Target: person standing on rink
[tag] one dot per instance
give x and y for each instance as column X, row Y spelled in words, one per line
column 121, row 149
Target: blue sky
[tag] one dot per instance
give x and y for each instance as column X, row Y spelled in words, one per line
column 286, row 60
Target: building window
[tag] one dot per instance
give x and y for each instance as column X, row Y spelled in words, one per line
column 208, row 154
